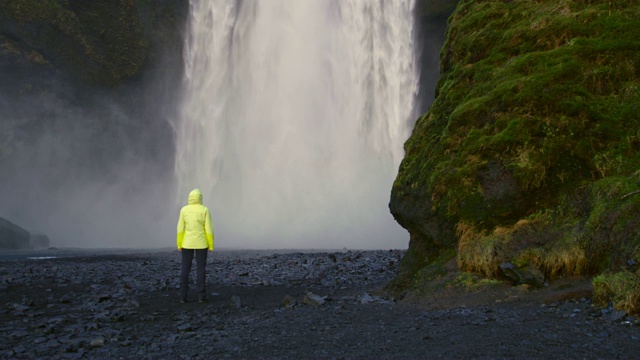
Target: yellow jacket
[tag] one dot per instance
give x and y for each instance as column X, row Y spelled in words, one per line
column 195, row 230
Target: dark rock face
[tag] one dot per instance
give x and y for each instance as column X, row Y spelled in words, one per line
column 435, row 8
column 87, row 89
column 102, row 41
column 13, row 236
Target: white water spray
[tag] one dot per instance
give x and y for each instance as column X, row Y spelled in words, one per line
column 293, row 119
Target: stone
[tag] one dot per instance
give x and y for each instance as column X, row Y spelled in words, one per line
column 530, row 275
column 97, row 342
column 288, row 302
column 12, row 236
column 185, row 327
column 235, row 300
column 366, row 298
column 616, row 315
column 313, row 299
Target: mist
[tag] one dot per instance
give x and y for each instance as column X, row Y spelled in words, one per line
column 290, row 117
column 79, row 172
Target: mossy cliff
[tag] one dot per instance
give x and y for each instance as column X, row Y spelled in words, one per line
column 530, row 153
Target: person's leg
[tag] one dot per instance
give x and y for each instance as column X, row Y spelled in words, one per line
column 201, row 280
column 187, row 258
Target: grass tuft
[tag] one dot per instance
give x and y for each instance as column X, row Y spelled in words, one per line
column 621, row 288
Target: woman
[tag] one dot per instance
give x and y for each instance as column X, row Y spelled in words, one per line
column 195, row 235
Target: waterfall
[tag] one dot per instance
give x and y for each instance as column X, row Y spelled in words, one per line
column 293, row 118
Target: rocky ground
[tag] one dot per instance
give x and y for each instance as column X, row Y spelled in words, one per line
column 281, row 304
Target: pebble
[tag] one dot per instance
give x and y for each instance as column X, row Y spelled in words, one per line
column 95, row 309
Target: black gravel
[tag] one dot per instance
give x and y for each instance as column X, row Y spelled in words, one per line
column 274, row 304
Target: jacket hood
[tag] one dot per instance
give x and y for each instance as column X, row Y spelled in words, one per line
column 195, row 197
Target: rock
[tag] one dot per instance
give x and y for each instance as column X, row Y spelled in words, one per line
column 617, row 315
column 39, row 241
column 288, row 302
column 12, row 236
column 235, row 300
column 97, row 342
column 313, row 299
column 20, row 307
column 366, row 298
column 530, row 275
column 185, row 327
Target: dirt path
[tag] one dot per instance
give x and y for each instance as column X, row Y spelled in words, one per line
column 125, row 306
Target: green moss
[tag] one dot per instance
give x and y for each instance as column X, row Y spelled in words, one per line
column 417, row 273
column 611, row 234
column 537, row 108
column 473, row 282
column 528, row 105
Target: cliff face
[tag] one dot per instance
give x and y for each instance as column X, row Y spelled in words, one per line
column 532, row 139
column 98, row 41
column 92, row 73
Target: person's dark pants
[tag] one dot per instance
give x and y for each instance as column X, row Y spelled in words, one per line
column 201, row 265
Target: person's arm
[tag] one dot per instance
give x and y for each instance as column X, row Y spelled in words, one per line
column 180, row 231
column 208, row 229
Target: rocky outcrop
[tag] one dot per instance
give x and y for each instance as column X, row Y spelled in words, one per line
column 12, row 236
column 530, row 146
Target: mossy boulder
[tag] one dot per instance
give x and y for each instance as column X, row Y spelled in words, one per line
column 537, row 109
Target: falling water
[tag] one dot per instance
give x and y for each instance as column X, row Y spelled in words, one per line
column 293, row 118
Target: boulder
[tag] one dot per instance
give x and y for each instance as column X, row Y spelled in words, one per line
column 13, row 236
column 530, row 275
